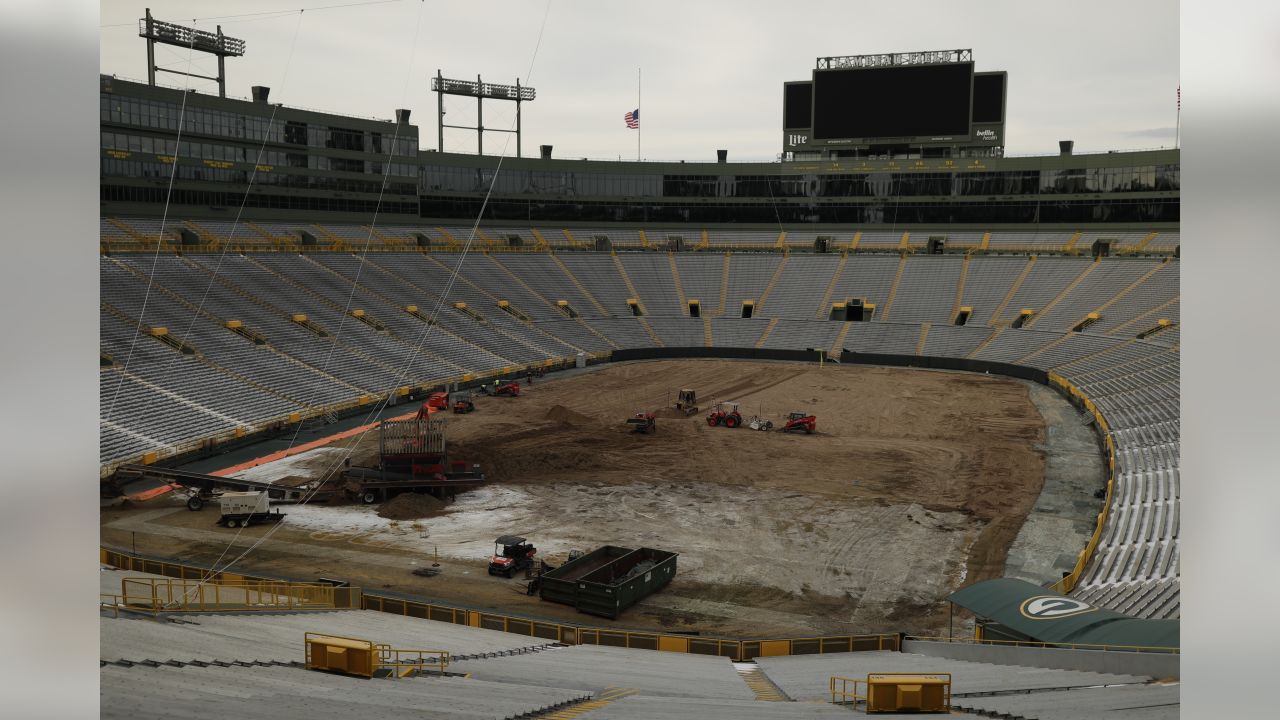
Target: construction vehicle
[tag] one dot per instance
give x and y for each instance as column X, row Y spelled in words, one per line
column 726, row 414
column 412, row 456
column 510, row 388
column 438, row 400
column 800, row 422
column 687, row 401
column 462, row 403
column 759, row 423
column 643, row 422
column 511, row 554
column 242, row 509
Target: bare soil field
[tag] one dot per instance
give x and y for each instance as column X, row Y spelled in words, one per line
column 916, row 482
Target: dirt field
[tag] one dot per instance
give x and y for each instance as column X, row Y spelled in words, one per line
column 915, row 482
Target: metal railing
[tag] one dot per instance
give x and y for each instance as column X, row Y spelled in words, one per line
column 1049, row 645
column 1071, row 579
column 631, row 639
column 842, row 695
column 170, row 595
column 404, row 663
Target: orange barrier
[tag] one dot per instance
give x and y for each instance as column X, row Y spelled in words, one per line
column 321, row 442
column 153, row 492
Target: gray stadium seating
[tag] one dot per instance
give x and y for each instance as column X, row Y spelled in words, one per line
column 157, row 399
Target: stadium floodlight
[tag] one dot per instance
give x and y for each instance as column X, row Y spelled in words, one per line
column 167, row 33
column 927, row 57
column 487, row 90
column 479, row 90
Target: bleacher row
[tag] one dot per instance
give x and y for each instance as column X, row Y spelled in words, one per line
column 124, row 233
column 251, row 665
column 157, row 399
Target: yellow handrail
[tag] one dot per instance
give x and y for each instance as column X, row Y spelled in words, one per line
column 847, row 696
column 170, row 595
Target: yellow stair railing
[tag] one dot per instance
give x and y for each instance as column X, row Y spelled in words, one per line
column 653, row 335
column 964, row 273
column 982, row 345
column 838, row 345
column 924, row 333
column 1065, row 292
column 773, row 282
column 893, row 289
column 578, row 284
column 675, row 277
column 626, row 280
column 825, row 307
column 724, row 285
column 765, row 335
column 1013, row 290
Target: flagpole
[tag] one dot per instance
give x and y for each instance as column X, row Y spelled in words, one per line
column 638, row 130
column 1177, row 125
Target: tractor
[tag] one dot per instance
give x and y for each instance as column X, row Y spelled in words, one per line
column 510, row 555
column 462, row 403
column 800, row 422
column 687, row 401
column 510, row 388
column 726, row 414
column 643, row 422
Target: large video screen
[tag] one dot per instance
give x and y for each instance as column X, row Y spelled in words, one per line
column 914, row 101
column 797, row 103
column 988, row 98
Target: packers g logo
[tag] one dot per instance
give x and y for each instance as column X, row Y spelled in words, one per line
column 1051, row 607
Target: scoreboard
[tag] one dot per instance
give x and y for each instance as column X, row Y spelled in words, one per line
column 912, row 100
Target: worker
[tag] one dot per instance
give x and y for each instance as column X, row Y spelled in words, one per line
column 528, row 377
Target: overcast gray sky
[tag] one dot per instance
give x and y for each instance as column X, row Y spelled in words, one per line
column 1101, row 73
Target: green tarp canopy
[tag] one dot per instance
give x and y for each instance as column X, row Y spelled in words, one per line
column 1047, row 616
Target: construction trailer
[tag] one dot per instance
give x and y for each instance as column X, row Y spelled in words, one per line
column 610, row 579
column 414, row 456
column 242, row 509
column 201, row 489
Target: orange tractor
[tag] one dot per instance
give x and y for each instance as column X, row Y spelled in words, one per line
column 510, row 388
column 800, row 422
column 726, row 414
column 462, row 403
column 643, row 422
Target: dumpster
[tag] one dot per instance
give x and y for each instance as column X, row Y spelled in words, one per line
column 609, row 579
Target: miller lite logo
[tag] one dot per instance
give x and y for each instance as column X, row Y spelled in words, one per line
column 986, row 134
column 1052, row 607
column 797, row 139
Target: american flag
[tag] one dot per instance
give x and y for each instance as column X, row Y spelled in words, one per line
column 633, row 119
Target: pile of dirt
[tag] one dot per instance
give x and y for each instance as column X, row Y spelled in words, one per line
column 564, row 416
column 411, row 506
